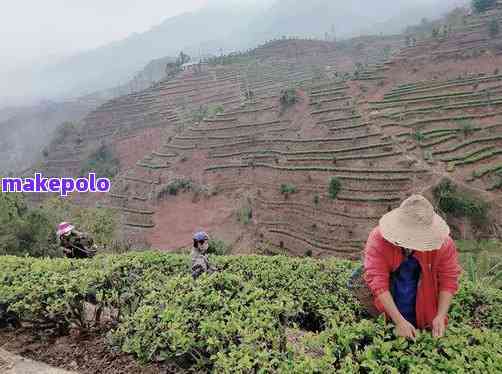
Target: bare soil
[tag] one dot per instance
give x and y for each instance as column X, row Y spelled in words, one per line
column 216, row 215
column 83, row 354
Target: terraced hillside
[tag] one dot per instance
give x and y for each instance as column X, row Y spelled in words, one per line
column 297, row 146
column 453, row 125
column 463, row 36
column 152, row 132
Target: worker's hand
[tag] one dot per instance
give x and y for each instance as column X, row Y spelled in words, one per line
column 406, row 329
column 438, row 326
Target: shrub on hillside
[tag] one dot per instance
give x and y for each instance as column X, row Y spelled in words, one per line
column 483, row 269
column 199, row 114
column 335, row 185
column 288, row 97
column 245, row 214
column 418, row 136
column 288, row 189
column 25, row 231
column 494, row 27
column 214, row 110
column 483, row 5
column 63, row 132
column 466, row 128
column 102, row 162
column 172, row 188
column 183, row 58
column 218, row 247
column 452, row 202
column 316, row 199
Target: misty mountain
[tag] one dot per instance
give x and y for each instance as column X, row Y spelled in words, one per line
column 116, row 63
column 321, row 18
column 223, row 26
column 25, row 131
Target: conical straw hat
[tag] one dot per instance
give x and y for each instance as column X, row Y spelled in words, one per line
column 414, row 225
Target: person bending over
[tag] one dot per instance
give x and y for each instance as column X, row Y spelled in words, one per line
column 411, row 269
column 75, row 244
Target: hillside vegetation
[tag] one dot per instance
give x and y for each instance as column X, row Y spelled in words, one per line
column 257, row 315
column 383, row 116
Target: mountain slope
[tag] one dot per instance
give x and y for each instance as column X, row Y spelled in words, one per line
column 224, row 25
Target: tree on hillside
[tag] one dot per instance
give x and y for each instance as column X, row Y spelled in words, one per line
column 335, row 185
column 483, row 5
column 24, row 231
column 493, row 28
column 183, row 58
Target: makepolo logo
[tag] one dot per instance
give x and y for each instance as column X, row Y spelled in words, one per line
column 63, row 186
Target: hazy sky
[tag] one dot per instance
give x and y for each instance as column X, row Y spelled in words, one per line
column 35, row 29
column 41, row 28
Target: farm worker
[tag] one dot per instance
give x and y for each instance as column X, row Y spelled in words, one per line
column 200, row 262
column 75, row 244
column 411, row 268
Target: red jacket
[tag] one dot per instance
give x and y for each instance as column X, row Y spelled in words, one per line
column 440, row 271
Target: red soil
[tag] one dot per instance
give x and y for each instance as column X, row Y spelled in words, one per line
column 133, row 148
column 178, row 217
column 83, row 354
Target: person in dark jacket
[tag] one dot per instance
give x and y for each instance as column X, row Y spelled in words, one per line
column 200, row 261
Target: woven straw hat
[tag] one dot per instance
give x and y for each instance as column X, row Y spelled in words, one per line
column 414, row 225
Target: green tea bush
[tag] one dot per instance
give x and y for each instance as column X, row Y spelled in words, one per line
column 335, row 185
column 218, row 247
column 102, row 162
column 482, row 5
column 99, row 222
column 245, row 214
column 241, row 319
column 214, row 110
column 494, row 27
column 64, row 131
column 450, row 201
column 172, row 188
column 288, row 97
column 288, row 189
column 199, row 114
column 31, row 231
column 483, row 269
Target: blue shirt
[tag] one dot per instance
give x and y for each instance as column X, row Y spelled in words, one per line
column 404, row 284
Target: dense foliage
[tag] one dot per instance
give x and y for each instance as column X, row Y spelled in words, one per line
column 494, row 28
column 483, row 5
column 288, row 189
column 257, row 315
column 218, row 247
column 450, row 201
column 102, row 162
column 288, row 97
column 335, row 185
column 175, row 186
column 31, row 231
column 63, row 132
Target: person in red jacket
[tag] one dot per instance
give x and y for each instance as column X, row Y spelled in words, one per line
column 411, row 267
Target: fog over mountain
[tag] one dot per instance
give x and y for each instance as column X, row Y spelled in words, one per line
column 207, row 27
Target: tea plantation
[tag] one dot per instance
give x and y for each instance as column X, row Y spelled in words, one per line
column 257, row 315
